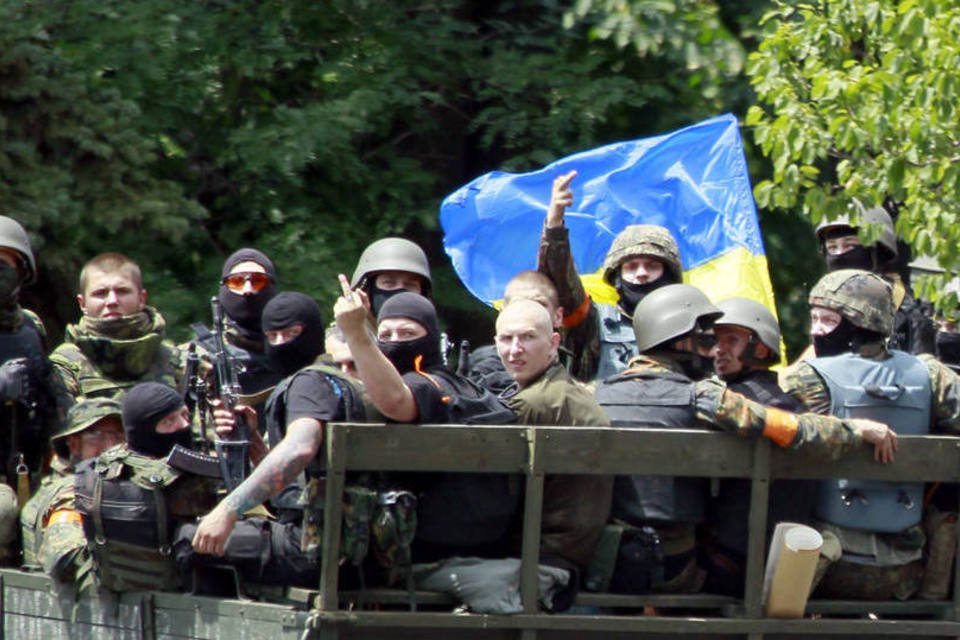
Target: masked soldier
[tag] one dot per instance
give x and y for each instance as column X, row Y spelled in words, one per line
column 390, row 266
column 120, row 340
column 641, row 259
column 33, row 400
column 855, row 374
column 913, row 330
column 667, row 386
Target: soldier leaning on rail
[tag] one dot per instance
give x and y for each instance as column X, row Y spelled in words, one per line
column 666, row 386
column 32, row 399
column 51, row 525
column 879, row 525
column 119, row 340
column 747, row 343
column 641, row 259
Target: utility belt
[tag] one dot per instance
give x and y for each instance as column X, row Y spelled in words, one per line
column 384, row 520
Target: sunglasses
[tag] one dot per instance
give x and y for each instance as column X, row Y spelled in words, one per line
column 236, row 281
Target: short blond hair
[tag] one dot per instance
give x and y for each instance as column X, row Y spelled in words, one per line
column 111, row 262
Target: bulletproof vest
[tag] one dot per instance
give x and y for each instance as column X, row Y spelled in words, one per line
column 95, row 384
column 895, row 391
column 123, row 498
column 26, row 343
column 51, row 488
column 653, row 400
column 618, row 343
column 253, row 372
column 790, row 500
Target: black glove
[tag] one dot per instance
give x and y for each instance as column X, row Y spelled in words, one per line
column 14, row 379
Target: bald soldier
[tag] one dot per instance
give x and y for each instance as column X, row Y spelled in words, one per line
column 575, row 508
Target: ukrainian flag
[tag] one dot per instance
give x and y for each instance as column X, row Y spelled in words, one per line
column 692, row 181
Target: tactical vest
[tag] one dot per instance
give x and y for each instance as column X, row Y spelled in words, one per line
column 165, row 368
column 895, row 391
column 29, row 413
column 653, row 400
column 52, row 488
column 618, row 343
column 122, row 499
column 790, row 500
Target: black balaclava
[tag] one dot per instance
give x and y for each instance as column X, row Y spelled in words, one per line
column 285, row 310
column 863, row 258
column 379, row 296
column 948, row 347
column 246, row 311
column 845, row 338
column 403, row 355
column 143, row 407
column 631, row 294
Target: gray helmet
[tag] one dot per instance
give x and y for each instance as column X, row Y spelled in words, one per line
column 643, row 240
column 85, row 414
column 670, row 312
column 750, row 314
column 13, row 236
column 391, row 254
column 862, row 297
column 861, row 216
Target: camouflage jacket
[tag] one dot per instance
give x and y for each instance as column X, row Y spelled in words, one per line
column 575, row 508
column 52, row 528
column 93, row 365
column 805, row 384
column 581, row 331
column 721, row 408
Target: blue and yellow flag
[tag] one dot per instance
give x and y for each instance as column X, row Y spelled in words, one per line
column 692, row 181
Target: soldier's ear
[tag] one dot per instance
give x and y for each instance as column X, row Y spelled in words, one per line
column 554, row 341
column 143, row 298
column 81, row 304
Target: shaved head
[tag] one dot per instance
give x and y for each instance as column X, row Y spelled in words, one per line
column 526, row 340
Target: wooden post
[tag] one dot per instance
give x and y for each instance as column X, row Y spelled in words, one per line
column 532, row 513
column 336, row 441
column 759, row 498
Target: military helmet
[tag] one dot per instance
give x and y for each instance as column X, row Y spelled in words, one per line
column 13, row 236
column 863, row 216
column 750, row 314
column 643, row 240
column 391, row 254
column 670, row 312
column 85, row 414
column 862, row 297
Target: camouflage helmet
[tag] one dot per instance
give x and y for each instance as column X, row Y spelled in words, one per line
column 670, row 312
column 750, row 314
column 87, row 413
column 13, row 236
column 643, row 240
column 862, row 216
column 862, row 297
column 391, row 254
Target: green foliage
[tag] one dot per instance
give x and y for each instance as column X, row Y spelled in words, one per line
column 860, row 101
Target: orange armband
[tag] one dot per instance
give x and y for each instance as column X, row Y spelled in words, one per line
column 578, row 315
column 65, row 516
column 780, row 426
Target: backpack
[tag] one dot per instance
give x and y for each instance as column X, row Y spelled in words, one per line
column 122, row 500
column 468, row 509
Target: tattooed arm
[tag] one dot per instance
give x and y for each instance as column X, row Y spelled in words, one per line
column 277, row 470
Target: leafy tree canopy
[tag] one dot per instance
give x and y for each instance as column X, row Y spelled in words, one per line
column 859, row 100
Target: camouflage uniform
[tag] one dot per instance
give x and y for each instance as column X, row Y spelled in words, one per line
column 51, row 526
column 575, row 508
column 863, row 299
column 582, row 317
column 94, row 365
column 726, row 410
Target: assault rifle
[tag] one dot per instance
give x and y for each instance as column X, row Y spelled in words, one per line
column 195, row 395
column 232, row 453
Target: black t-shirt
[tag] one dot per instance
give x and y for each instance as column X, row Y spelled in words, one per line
column 431, row 408
column 312, row 395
